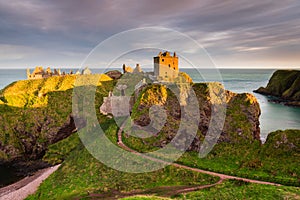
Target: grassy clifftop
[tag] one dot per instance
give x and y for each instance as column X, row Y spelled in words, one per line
column 33, row 93
column 241, row 122
column 45, row 128
column 36, row 113
column 284, row 84
column 238, row 152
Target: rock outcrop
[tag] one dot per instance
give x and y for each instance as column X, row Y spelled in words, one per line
column 285, row 86
column 35, row 114
column 114, row 74
column 127, row 69
column 241, row 121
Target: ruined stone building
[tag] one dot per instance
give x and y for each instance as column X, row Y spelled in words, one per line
column 166, row 66
column 39, row 73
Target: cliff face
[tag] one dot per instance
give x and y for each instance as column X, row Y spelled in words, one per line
column 241, row 122
column 35, row 114
column 282, row 143
column 284, row 84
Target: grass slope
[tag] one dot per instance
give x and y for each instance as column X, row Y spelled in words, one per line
column 33, row 111
column 81, row 175
column 232, row 189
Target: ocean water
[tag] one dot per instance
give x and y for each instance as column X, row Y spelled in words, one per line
column 273, row 116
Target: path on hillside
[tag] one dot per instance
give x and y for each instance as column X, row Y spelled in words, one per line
column 162, row 191
column 21, row 189
column 221, row 176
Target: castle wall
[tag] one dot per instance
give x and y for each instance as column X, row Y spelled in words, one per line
column 166, row 67
column 119, row 106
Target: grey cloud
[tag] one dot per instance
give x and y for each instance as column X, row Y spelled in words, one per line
column 225, row 27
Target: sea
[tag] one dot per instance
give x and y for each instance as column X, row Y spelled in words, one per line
column 273, row 117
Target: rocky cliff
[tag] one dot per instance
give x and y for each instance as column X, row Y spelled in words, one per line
column 285, row 85
column 241, row 121
column 35, row 114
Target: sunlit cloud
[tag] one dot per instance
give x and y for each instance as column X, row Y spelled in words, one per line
column 232, row 32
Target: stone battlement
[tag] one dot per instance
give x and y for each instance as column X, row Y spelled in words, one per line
column 39, row 73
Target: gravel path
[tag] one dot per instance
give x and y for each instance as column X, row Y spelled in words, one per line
column 21, row 189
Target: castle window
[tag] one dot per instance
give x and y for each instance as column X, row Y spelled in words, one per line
column 163, row 60
column 169, row 65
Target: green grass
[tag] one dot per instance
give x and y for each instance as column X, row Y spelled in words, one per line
column 29, row 121
column 59, row 151
column 238, row 152
column 267, row 162
column 81, row 174
column 247, row 161
column 33, row 93
column 143, row 197
column 232, row 189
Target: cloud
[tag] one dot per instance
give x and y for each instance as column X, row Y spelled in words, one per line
column 16, row 52
column 224, row 27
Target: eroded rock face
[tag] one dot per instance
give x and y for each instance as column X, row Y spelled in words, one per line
column 284, row 84
column 127, row 69
column 115, row 74
column 32, row 145
column 241, row 121
column 282, row 143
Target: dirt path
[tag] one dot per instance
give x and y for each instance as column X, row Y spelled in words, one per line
column 163, row 191
column 21, row 189
column 221, row 176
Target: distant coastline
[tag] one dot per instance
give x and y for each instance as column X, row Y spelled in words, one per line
column 284, row 87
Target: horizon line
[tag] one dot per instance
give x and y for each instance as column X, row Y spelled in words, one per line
column 218, row 67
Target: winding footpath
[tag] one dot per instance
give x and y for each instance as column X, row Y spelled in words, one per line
column 21, row 189
column 29, row 185
column 221, row 176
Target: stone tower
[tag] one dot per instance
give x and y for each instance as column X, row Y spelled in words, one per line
column 166, row 66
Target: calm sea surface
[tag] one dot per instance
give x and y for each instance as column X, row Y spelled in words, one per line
column 273, row 117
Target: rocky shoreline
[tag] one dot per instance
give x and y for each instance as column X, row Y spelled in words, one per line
column 283, row 87
column 20, row 169
column 26, row 186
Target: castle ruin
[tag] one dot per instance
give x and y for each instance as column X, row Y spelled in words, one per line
column 39, row 73
column 166, row 66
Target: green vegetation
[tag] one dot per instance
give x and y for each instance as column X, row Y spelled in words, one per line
column 33, row 93
column 238, row 152
column 145, row 198
column 241, row 122
column 232, row 189
column 255, row 161
column 46, row 110
column 284, row 84
column 59, row 151
column 36, row 114
column 140, row 197
column 81, row 175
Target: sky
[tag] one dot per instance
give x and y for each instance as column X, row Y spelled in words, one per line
column 235, row 33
